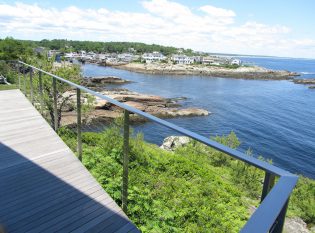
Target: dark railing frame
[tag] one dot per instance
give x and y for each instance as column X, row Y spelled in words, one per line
column 269, row 216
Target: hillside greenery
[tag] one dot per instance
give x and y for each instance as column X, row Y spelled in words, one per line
column 95, row 46
column 194, row 189
column 107, row 47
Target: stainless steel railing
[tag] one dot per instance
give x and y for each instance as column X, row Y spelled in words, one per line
column 270, row 215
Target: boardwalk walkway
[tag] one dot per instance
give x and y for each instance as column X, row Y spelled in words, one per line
column 43, row 186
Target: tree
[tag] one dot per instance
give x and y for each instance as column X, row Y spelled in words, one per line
column 11, row 49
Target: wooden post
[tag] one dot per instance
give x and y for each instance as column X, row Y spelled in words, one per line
column 79, row 138
column 269, row 182
column 55, row 104
column 125, row 162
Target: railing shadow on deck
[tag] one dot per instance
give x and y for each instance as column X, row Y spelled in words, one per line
column 270, row 215
column 33, row 199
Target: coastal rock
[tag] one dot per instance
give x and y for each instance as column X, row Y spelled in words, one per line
column 171, row 143
column 295, row 225
column 307, row 81
column 136, row 105
column 252, row 72
column 102, row 109
column 101, row 104
column 105, row 80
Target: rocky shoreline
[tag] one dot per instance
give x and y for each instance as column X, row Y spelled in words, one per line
column 251, row 72
column 309, row 82
column 99, row 83
column 100, row 109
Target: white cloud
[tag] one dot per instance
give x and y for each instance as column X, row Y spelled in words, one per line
column 207, row 28
column 217, row 12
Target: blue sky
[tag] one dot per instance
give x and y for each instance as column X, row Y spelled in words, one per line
column 283, row 28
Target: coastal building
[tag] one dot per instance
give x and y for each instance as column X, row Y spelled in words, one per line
column 153, row 57
column 39, row 50
column 182, row 59
column 125, row 57
column 71, row 55
column 208, row 60
column 101, row 57
column 52, row 53
column 89, row 56
column 198, row 59
column 214, row 60
column 82, row 53
column 110, row 57
column 235, row 61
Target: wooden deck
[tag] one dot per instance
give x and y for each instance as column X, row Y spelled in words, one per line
column 43, row 186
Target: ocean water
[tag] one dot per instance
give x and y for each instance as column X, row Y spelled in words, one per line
column 276, row 119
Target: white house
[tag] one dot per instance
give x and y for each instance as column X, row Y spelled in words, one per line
column 82, row 53
column 71, row 55
column 88, row 56
column 52, row 53
column 197, row 59
column 126, row 57
column 214, row 60
column 182, row 59
column 208, row 60
column 235, row 61
column 153, row 57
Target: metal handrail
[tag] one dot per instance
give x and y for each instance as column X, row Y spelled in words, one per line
column 270, row 215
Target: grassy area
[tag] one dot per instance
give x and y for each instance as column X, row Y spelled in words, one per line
column 7, row 87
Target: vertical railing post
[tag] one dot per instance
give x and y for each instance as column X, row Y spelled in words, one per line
column 31, row 86
column 125, row 162
column 19, row 75
column 24, row 77
column 41, row 94
column 269, row 182
column 55, row 104
column 279, row 223
column 79, row 138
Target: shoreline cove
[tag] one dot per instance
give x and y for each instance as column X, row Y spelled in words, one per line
column 266, row 116
column 242, row 72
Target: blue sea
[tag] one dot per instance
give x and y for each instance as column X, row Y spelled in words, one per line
column 275, row 119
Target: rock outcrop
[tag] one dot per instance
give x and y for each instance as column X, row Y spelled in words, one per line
column 307, row 81
column 105, row 80
column 98, row 83
column 155, row 105
column 295, row 225
column 251, row 72
column 171, row 143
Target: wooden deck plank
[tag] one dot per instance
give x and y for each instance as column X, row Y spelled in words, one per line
column 61, row 208
column 54, row 197
column 43, row 186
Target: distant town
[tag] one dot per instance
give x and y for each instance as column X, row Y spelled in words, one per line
column 133, row 56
